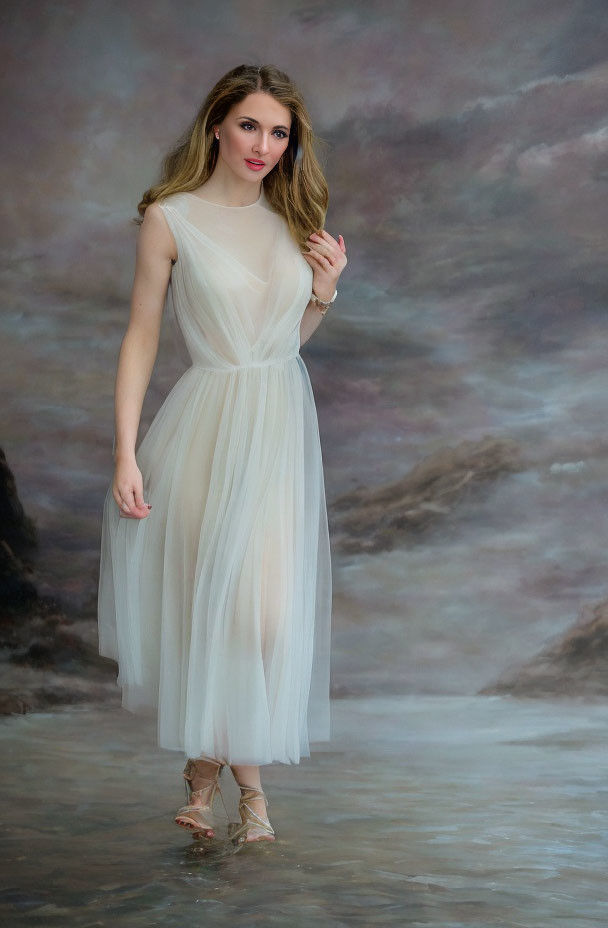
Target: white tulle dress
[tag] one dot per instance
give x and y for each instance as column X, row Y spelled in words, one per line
column 217, row 605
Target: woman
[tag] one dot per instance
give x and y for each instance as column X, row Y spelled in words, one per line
column 215, row 579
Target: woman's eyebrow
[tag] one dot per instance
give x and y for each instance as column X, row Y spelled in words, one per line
column 251, row 119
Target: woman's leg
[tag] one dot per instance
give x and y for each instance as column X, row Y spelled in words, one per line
column 205, row 771
column 201, row 775
column 249, row 775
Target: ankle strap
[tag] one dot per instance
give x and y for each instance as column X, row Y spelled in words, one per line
column 191, row 768
column 245, row 790
column 191, row 771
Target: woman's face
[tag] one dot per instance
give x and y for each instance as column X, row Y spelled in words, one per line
column 256, row 129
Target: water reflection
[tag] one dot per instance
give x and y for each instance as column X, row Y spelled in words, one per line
column 428, row 810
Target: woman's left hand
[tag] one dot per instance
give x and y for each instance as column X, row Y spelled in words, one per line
column 327, row 259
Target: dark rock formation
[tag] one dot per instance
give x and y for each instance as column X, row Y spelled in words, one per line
column 576, row 665
column 396, row 513
column 44, row 661
column 18, row 530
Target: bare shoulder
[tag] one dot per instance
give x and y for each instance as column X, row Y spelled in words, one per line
column 154, row 215
column 155, row 233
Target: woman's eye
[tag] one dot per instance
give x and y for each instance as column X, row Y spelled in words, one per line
column 244, row 125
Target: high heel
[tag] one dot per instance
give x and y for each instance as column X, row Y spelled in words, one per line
column 251, row 823
column 199, row 819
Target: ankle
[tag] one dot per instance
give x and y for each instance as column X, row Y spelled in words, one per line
column 202, row 775
column 256, row 800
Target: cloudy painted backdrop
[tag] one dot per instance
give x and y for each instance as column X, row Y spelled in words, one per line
column 467, row 157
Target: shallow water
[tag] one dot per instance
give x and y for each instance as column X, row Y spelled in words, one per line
column 422, row 810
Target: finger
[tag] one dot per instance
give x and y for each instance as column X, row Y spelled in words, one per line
column 313, row 254
column 316, row 246
column 318, row 259
column 331, row 252
column 134, row 515
column 329, row 238
column 329, row 256
column 316, row 239
column 324, row 265
column 335, row 245
column 126, row 500
column 328, row 242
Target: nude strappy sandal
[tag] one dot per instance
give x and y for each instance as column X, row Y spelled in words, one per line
column 252, row 827
column 199, row 819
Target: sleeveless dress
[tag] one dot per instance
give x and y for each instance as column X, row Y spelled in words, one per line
column 216, row 606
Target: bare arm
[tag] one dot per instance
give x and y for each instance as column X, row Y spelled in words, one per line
column 311, row 319
column 155, row 250
column 327, row 257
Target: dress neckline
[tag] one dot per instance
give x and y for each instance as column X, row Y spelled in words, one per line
column 221, row 205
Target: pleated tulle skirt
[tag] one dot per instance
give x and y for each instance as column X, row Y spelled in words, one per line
column 217, row 605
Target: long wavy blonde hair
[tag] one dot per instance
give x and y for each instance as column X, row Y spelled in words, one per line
column 295, row 188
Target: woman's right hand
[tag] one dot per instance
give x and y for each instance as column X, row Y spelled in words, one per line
column 128, row 490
